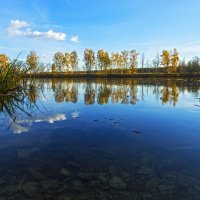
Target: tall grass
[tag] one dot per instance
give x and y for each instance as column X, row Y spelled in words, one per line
column 12, row 76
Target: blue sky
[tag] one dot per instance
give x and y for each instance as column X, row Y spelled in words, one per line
column 148, row 26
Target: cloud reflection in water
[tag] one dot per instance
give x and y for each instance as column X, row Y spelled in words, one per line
column 18, row 127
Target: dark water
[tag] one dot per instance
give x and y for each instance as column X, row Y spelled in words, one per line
column 102, row 139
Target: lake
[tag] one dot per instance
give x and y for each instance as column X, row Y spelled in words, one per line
column 130, row 139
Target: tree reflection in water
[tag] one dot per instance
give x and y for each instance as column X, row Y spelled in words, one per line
column 170, row 93
column 89, row 96
column 116, row 92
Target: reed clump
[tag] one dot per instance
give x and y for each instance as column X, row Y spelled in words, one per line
column 12, row 77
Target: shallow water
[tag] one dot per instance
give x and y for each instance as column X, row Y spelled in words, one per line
column 102, row 139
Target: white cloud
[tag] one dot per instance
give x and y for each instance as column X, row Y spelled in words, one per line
column 55, row 35
column 16, row 24
column 18, row 28
column 74, row 39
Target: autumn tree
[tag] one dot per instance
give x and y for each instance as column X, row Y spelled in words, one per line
column 104, row 61
column 125, row 58
column 4, row 61
column 100, row 58
column 89, row 59
column 58, row 59
column 114, row 58
column 53, row 67
column 74, row 60
column 67, row 61
column 118, row 60
column 166, row 59
column 174, row 60
column 170, row 60
column 32, row 61
column 107, row 62
column 133, row 60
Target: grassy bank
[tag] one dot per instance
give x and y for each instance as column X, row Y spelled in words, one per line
column 117, row 75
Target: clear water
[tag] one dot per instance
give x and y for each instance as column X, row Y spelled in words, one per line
column 102, row 139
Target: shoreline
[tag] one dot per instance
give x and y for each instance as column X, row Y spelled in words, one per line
column 110, row 75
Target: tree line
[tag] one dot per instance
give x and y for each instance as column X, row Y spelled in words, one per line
column 121, row 62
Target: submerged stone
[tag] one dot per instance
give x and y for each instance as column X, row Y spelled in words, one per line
column 36, row 174
column 65, row 172
column 134, row 186
column 146, row 196
column 49, row 184
column 77, row 185
column 30, row 188
column 144, row 170
column 117, row 183
column 152, row 183
column 102, row 177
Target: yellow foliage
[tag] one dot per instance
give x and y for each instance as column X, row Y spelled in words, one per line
column 170, row 60
column 174, row 60
column 4, row 61
column 166, row 59
column 32, row 60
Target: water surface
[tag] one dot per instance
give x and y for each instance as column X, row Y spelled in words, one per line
column 102, row 139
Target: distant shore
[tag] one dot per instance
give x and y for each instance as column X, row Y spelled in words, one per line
column 111, row 75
